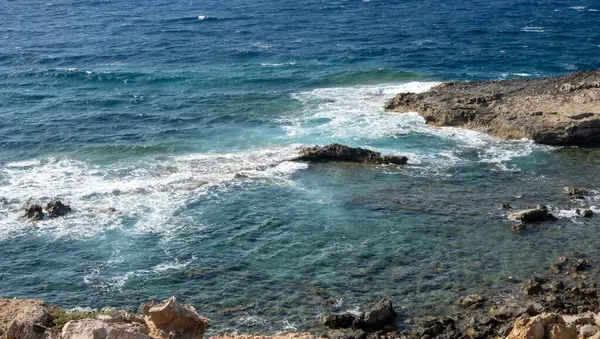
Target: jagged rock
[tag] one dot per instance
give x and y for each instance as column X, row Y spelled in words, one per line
column 339, row 152
column 34, row 212
column 30, row 322
column 171, row 317
column 538, row 214
column 57, row 208
column 336, row 321
column 472, row 301
column 542, row 326
column 554, row 111
column 509, row 311
column 587, row 213
column 506, row 206
column 534, row 286
column 380, row 316
column 579, row 265
column 576, row 192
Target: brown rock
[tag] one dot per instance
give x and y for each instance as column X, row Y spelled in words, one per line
column 30, row 322
column 472, row 301
column 171, row 318
column 538, row 214
column 85, row 328
column 554, row 111
column 543, row 326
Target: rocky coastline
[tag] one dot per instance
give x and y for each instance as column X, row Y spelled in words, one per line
column 563, row 111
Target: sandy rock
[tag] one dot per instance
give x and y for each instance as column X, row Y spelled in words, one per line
column 543, row 326
column 170, row 318
column 85, row 329
column 339, row 152
column 588, row 330
column 555, row 110
column 30, row 322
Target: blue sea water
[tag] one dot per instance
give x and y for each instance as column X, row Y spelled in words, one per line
column 180, row 115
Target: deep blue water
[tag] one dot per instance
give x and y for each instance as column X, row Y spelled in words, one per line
column 181, row 114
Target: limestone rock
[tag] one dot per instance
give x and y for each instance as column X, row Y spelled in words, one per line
column 546, row 325
column 171, row 318
column 339, row 152
column 534, row 286
column 588, row 330
column 30, row 322
column 555, row 110
column 85, row 329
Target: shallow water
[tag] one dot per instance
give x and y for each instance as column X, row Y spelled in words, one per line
column 183, row 116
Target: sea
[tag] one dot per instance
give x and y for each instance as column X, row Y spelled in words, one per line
column 169, row 126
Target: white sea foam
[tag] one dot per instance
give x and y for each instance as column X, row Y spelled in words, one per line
column 578, row 8
column 290, row 63
column 356, row 113
column 148, row 191
column 535, row 29
column 202, row 17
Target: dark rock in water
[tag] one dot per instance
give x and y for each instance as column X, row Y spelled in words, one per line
column 518, row 227
column 555, row 110
column 380, row 316
column 587, row 213
column 534, row 286
column 579, row 265
column 576, row 192
column 472, row 301
column 336, row 321
column 34, row 212
column 506, row 206
column 538, row 214
column 57, row 208
column 339, row 152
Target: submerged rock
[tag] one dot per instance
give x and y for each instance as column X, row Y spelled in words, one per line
column 587, row 213
column 339, row 152
column 538, row 214
column 518, row 227
column 576, row 192
column 555, row 111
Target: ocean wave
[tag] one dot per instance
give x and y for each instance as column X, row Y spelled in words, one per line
column 149, row 192
column 535, row 29
column 290, row 63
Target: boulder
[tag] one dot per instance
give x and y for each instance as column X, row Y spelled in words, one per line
column 171, row 317
column 543, row 326
column 587, row 213
column 588, row 330
column 57, row 208
column 30, row 322
column 339, row 152
column 518, row 227
column 506, row 206
column 538, row 214
column 472, row 301
column 34, row 212
column 380, row 316
column 85, row 329
column 337, row 321
column 556, row 110
column 534, row 286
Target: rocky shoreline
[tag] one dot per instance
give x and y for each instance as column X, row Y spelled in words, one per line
column 561, row 111
column 563, row 304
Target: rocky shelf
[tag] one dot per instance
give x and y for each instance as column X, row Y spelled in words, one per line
column 561, row 111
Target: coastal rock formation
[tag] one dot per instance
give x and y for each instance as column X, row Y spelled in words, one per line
column 538, row 214
column 554, row 111
column 541, row 327
column 379, row 317
column 339, row 152
column 53, row 209
column 32, row 319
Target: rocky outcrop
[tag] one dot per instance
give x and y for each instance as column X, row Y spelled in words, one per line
column 31, row 319
column 542, row 326
column 172, row 319
column 339, row 152
column 554, row 111
column 380, row 317
column 53, row 209
column 538, row 214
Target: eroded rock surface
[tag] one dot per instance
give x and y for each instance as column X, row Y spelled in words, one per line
column 339, row 152
column 554, row 111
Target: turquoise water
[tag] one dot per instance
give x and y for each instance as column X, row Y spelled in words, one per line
column 181, row 116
